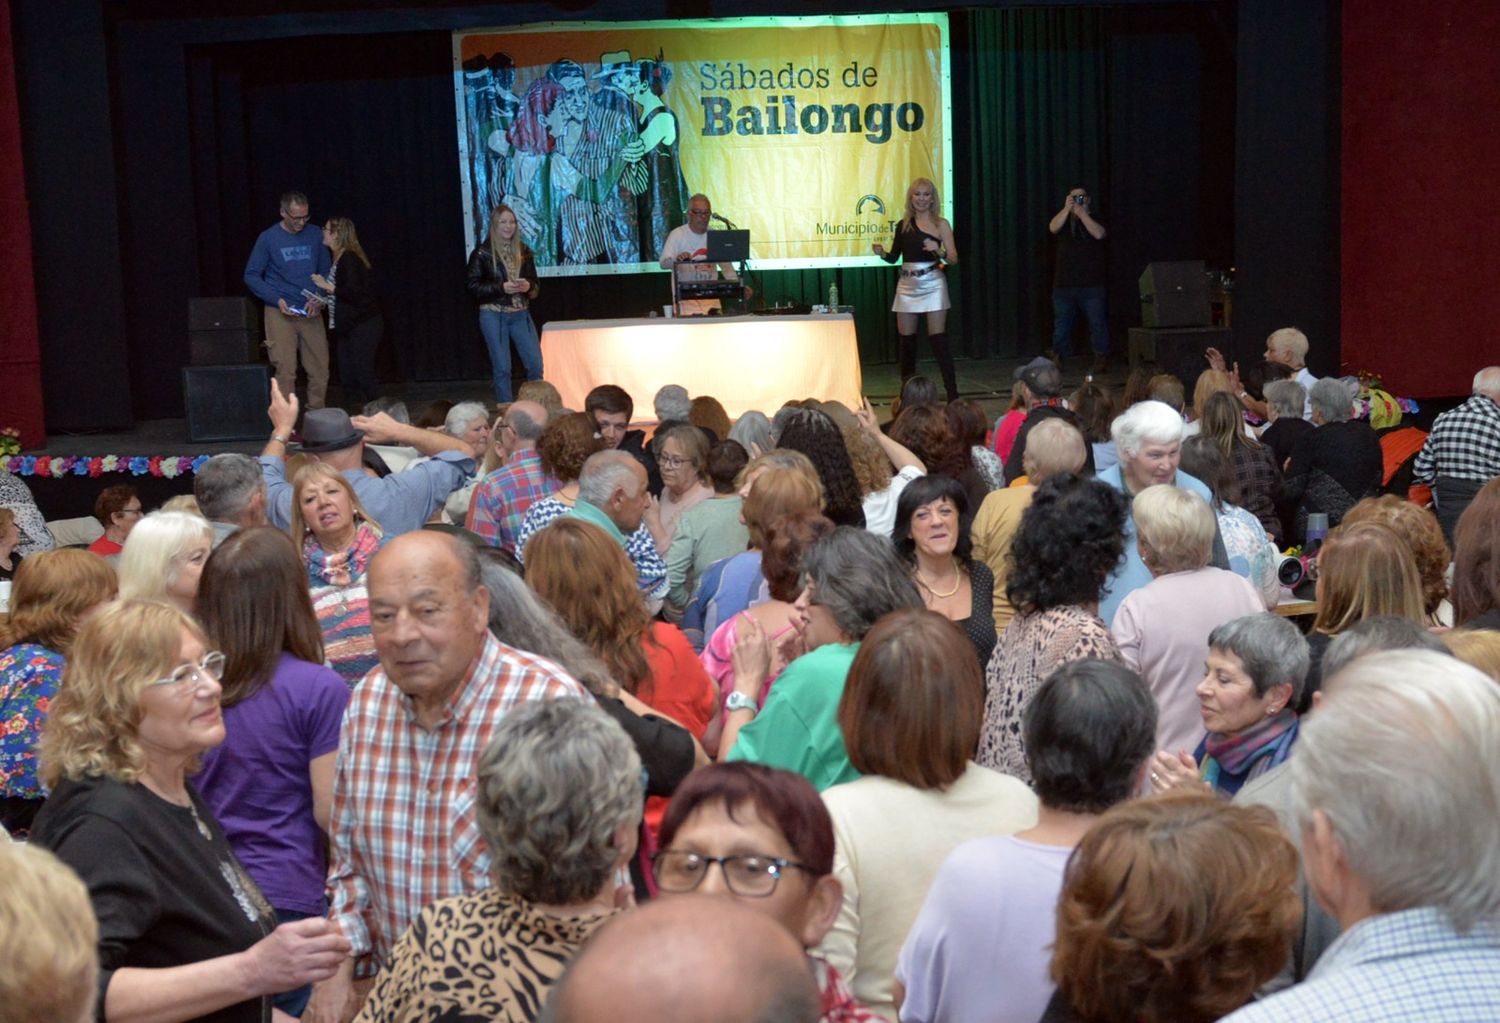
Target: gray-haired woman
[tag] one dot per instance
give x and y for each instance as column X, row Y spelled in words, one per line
column 1335, row 466
column 1253, row 677
column 853, row 579
column 558, row 800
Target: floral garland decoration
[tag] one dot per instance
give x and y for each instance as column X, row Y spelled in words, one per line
column 58, row 466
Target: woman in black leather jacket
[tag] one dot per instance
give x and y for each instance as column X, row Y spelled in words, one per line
column 502, row 279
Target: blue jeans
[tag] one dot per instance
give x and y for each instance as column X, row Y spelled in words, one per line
column 292, row 1002
column 501, row 330
column 1065, row 305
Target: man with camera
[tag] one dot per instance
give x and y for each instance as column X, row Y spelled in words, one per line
column 1079, row 278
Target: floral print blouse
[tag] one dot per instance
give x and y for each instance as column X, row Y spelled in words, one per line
column 29, row 677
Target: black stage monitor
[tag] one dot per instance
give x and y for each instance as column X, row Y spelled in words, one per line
column 728, row 246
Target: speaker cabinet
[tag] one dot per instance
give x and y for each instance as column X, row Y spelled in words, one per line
column 1175, row 295
column 223, row 347
column 223, row 331
column 1179, row 351
column 234, row 312
column 227, row 402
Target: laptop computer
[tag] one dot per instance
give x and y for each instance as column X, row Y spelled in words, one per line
column 728, row 246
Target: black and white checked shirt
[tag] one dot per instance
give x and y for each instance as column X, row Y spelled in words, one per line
column 1463, row 444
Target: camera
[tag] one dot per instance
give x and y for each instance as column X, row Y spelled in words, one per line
column 1293, row 569
column 1080, row 200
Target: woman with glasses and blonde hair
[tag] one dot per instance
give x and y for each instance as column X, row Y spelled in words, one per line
column 503, row 280
column 271, row 781
column 338, row 539
column 55, row 592
column 184, row 932
column 354, row 319
column 164, row 557
column 924, row 244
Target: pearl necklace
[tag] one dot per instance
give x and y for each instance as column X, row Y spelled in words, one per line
column 958, row 580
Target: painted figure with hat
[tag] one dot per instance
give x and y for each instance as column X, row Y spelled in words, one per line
column 663, row 205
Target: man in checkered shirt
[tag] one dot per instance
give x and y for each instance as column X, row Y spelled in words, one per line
column 1394, row 782
column 402, row 828
column 1462, row 453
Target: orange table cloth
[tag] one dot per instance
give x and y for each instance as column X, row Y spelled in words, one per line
column 747, row 362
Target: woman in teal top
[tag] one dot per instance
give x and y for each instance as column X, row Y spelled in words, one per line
column 853, row 578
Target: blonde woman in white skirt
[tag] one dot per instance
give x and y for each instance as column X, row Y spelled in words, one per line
column 924, row 245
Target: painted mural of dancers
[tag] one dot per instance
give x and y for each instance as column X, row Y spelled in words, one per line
column 663, row 204
column 489, row 109
column 557, row 193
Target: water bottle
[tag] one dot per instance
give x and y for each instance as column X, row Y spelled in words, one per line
column 1317, row 532
column 833, row 295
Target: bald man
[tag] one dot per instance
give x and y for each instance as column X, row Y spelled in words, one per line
column 685, row 960
column 403, row 833
column 499, row 502
column 1053, row 445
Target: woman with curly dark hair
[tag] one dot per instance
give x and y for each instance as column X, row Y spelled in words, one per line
column 932, row 534
column 924, row 431
column 817, row 436
column 1070, row 539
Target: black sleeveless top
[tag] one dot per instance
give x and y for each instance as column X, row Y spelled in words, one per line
column 907, row 246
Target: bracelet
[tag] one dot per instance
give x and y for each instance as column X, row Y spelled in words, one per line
column 281, row 440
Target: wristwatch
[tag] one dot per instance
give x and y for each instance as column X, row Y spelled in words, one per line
column 739, row 701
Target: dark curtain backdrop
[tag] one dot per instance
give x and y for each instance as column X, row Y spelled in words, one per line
column 210, row 117
column 1033, row 125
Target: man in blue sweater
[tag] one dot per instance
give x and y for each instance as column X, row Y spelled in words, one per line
column 281, row 267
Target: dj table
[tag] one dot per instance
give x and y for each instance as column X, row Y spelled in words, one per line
column 747, row 362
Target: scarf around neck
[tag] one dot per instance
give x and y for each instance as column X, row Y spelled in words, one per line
column 1237, row 754
column 340, row 568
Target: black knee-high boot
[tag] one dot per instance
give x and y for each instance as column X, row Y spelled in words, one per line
column 906, row 356
column 939, row 344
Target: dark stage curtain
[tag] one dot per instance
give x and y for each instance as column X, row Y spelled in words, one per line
column 1029, row 111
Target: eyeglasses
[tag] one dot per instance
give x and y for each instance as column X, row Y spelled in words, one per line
column 299, row 220
column 673, row 462
column 751, row 876
column 189, row 676
column 132, row 511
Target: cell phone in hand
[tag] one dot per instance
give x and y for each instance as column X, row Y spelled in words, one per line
column 296, row 310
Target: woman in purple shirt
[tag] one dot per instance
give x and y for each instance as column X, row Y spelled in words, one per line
column 271, row 782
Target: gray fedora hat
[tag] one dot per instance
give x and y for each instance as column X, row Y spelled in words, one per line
column 327, row 429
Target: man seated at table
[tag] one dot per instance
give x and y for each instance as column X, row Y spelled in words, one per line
column 685, row 253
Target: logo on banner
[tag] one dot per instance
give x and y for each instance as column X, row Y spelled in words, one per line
column 879, row 203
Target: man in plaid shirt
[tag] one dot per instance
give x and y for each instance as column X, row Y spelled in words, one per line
column 500, row 501
column 1462, row 453
column 403, row 832
column 1394, row 782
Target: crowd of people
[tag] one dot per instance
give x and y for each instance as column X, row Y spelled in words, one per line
column 529, row 715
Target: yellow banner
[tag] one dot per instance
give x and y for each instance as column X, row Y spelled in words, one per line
column 805, row 131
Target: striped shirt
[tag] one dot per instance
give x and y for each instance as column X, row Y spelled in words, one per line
column 500, row 501
column 640, row 546
column 403, row 828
